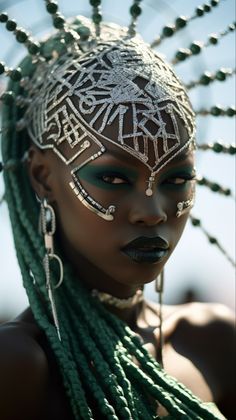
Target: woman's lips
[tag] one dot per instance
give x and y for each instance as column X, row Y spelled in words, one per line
column 146, row 249
column 147, row 255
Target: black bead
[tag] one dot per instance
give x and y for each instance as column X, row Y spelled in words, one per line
column 59, row 22
column 16, row 75
column 200, row 11
column 8, row 98
column 181, row 54
column 33, row 48
column 231, row 111
column 206, row 78
column 11, row 25
column 227, row 191
column 1, row 166
column 52, row 8
column 195, row 47
column 3, row 17
column 232, row 149
column 214, row 3
column 21, row 36
column 196, row 222
column 168, row 30
column 97, row 18
column 95, row 3
column 221, row 75
column 181, row 22
column 212, row 240
column 217, row 147
column 216, row 111
column 215, row 187
column 213, row 39
column 135, row 10
column 207, row 8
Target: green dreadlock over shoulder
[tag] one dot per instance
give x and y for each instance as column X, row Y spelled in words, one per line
column 97, row 352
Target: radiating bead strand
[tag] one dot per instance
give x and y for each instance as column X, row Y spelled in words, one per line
column 96, row 15
column 57, row 18
column 208, row 77
column 217, row 111
column 218, row 147
column 14, row 74
column 214, row 186
column 135, row 11
column 22, row 36
column 182, row 21
column 197, row 223
column 197, row 46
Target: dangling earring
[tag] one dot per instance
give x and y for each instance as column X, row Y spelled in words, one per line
column 47, row 225
column 159, row 286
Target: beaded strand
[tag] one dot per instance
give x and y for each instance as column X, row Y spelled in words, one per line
column 207, row 77
column 217, row 111
column 58, row 19
column 182, row 21
column 197, row 46
column 135, row 11
column 22, row 36
column 214, row 241
column 96, row 15
column 214, row 186
column 218, row 147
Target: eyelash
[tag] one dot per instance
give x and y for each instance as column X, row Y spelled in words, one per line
column 114, row 176
column 185, row 178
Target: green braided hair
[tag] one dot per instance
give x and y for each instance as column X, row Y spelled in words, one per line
column 104, row 367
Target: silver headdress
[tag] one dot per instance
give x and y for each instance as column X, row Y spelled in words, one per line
column 114, row 80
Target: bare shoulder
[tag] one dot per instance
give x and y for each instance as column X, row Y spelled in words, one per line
column 23, row 370
column 205, row 335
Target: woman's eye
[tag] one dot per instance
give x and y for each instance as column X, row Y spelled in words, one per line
column 180, row 180
column 114, row 179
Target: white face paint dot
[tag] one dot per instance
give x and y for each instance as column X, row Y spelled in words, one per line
column 149, row 192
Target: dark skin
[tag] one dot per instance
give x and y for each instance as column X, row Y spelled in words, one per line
column 198, row 348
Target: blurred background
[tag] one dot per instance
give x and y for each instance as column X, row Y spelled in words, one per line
column 197, row 270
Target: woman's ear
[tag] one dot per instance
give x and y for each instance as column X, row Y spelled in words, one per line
column 39, row 170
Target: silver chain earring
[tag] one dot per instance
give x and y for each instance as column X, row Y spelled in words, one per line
column 159, row 286
column 47, row 224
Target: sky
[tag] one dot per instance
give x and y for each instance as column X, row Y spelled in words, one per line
column 195, row 265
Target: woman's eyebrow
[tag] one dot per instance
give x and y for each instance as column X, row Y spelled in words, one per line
column 125, row 157
column 181, row 157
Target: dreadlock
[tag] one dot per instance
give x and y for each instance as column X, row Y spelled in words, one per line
column 97, row 353
column 106, row 371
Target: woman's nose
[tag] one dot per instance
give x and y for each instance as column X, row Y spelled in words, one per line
column 146, row 210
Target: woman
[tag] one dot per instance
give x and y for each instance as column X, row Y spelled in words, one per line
column 103, row 149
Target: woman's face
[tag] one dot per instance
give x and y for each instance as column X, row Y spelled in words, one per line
column 94, row 245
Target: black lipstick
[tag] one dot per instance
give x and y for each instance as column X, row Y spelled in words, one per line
column 147, row 249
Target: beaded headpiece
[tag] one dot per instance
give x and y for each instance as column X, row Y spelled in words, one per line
column 89, row 75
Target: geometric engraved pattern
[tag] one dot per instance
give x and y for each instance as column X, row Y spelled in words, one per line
column 121, row 82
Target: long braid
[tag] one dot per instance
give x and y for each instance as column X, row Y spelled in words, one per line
column 69, row 354
column 98, row 355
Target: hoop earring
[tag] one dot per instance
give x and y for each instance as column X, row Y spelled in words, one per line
column 47, row 225
column 159, row 286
